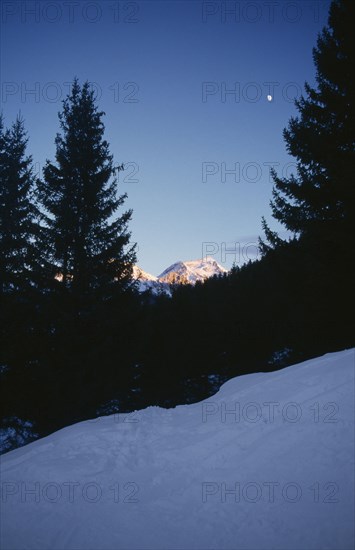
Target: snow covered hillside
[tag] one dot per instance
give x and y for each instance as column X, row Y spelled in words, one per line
column 266, row 463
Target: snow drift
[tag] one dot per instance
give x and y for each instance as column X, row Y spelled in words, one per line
column 266, row 463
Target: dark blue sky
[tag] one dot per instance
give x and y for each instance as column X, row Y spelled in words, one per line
column 163, row 70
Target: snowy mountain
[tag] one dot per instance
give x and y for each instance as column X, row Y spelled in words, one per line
column 266, row 463
column 138, row 273
column 192, row 271
column 146, row 281
column 178, row 273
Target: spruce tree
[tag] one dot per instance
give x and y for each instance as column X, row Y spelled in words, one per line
column 317, row 203
column 20, row 264
column 89, row 242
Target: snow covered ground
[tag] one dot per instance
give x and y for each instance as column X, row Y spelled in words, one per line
column 267, row 463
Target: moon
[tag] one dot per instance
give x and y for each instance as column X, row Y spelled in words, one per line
column 269, row 97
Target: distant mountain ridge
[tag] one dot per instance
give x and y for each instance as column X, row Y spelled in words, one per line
column 192, row 271
column 189, row 272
